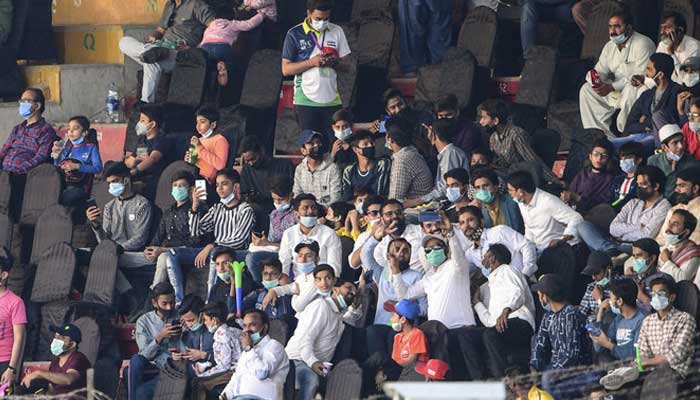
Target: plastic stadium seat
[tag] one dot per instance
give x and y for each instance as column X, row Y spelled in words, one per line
column 42, row 190
column 455, row 74
column 344, row 381
column 54, row 273
column 102, row 274
column 480, row 23
column 54, row 226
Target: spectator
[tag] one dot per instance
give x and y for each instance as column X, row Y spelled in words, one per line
column 341, row 153
column 508, row 313
column 337, row 219
column 509, row 142
column 126, row 220
column 410, row 175
column 181, row 25
column 313, row 64
column 674, row 157
column 691, row 129
column 281, row 218
column 534, row 11
column 691, row 87
column 598, row 267
column 680, row 258
column 210, row 148
column 369, row 171
column 481, row 157
column 523, row 254
column 173, row 232
column 468, row 135
column 258, row 172
column 371, row 208
column 303, row 289
column 150, row 155
column 591, row 187
column 224, row 289
column 548, row 221
column 621, row 336
column 456, row 191
column 318, row 332
column 639, row 218
column 621, row 69
column 13, row 324
column 410, row 347
column 624, row 186
column 308, row 228
column 317, row 174
column 685, row 197
column 196, row 337
column 644, row 267
column 425, row 32
column 263, row 367
column 79, row 160
column 28, row 145
column 272, row 277
column 394, row 103
column 157, row 332
column 674, row 41
column 497, row 207
column 68, row 371
column 227, row 343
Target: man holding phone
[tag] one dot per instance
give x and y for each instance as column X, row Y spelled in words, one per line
column 674, row 42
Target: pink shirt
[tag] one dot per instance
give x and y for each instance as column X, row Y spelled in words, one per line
column 226, row 32
column 11, row 313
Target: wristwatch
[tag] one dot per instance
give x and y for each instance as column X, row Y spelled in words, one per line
column 13, row 369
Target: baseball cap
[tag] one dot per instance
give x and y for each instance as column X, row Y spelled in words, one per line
column 427, row 238
column 667, row 131
column 306, row 136
column 310, row 244
column 597, row 261
column 548, row 284
column 404, row 308
column 691, row 63
column 433, row 369
column 69, row 330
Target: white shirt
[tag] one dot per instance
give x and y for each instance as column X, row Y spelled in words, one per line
column 446, row 288
column 414, row 235
column 506, row 287
column 266, row 360
column 523, row 252
column 361, row 240
column 689, row 47
column 320, row 84
column 318, row 332
column 623, row 64
column 547, row 218
column 328, row 243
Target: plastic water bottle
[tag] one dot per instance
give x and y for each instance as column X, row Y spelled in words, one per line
column 113, row 103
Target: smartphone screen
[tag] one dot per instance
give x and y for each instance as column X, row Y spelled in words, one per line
column 201, row 184
column 90, row 203
column 428, row 216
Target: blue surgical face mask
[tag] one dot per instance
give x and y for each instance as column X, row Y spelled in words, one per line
column 308, row 222
column 207, row 133
column 341, row 302
column 484, row 196
column 255, row 337
column 673, row 156
column 627, row 165
column 615, row 310
column 306, row 268
column 25, row 110
column 196, row 326
column 672, row 239
column 57, row 347
column 270, row 284
column 179, row 193
column 78, row 140
column 453, row 194
column 281, row 206
column 212, row 328
column 225, row 276
column 228, row 198
column 547, row 307
column 327, row 293
column 387, row 145
column 358, row 208
column 116, row 189
column 639, row 265
column 619, row 39
column 659, row 302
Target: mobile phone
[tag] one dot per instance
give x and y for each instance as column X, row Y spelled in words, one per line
column 201, row 185
column 382, row 126
column 173, row 350
column 90, row 203
column 428, row 216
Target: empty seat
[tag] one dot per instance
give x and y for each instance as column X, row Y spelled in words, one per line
column 102, row 274
column 263, row 80
column 90, row 333
column 42, row 190
column 172, row 381
column 688, row 298
column 5, row 190
column 478, row 35
column 54, row 273
column 537, row 77
column 364, row 8
column 187, row 79
column 344, row 381
column 54, row 226
column 347, row 79
column 455, row 75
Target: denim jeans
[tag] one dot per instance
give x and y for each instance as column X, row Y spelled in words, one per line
column 253, row 261
column 534, row 11
column 306, row 380
column 425, row 32
column 598, row 241
column 174, row 260
column 139, row 387
column 218, row 52
column 648, row 139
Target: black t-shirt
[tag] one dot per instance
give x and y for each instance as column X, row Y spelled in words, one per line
column 144, row 147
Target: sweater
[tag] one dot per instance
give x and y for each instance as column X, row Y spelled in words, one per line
column 224, row 31
column 127, row 222
column 593, row 188
column 212, row 155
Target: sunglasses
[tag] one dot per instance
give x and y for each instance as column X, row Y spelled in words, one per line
column 429, row 250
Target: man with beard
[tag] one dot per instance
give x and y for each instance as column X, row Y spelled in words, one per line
column 685, row 197
column 317, row 174
column 479, row 239
column 691, row 86
column 257, row 172
column 674, row 157
column 639, row 218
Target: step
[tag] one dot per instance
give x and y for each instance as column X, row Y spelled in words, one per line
column 107, row 12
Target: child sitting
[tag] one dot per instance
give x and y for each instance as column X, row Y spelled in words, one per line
column 211, row 147
column 336, row 218
column 410, row 345
column 272, row 277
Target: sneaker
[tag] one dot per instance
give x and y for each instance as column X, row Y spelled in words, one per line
column 154, row 54
column 617, row 378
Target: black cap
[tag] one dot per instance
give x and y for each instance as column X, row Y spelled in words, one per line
column 548, row 284
column 69, row 330
column 310, row 244
column 597, row 262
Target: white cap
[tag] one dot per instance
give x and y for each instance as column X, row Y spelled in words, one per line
column 667, row 131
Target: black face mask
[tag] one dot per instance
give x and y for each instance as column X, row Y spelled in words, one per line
column 368, row 152
column 316, row 153
column 490, row 128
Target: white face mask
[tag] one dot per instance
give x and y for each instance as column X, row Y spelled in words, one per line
column 692, row 79
column 320, row 26
column 141, row 128
column 207, row 133
column 343, row 134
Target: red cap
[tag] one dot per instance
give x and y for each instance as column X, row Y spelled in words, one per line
column 433, row 369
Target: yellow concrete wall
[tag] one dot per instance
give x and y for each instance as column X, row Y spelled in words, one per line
column 85, row 45
column 45, row 77
column 106, row 12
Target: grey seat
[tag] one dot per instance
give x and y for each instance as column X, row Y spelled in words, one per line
column 90, row 332
column 279, row 330
column 102, row 274
column 344, row 381
column 478, row 35
column 54, row 273
column 455, row 75
column 42, row 190
column 54, row 226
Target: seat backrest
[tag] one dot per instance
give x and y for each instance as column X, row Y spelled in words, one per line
column 344, row 381
column 537, row 77
column 263, row 80
column 5, row 231
column 54, row 226
column 597, row 29
column 546, row 142
column 688, row 298
column 279, row 330
column 172, row 381
column 102, row 274
column 5, row 191
column 43, row 189
column 683, row 7
column 375, row 38
column 187, row 80
column 20, row 17
column 163, row 197
column 90, row 343
column 347, row 80
column 478, row 35
column 364, row 8
column 455, row 75
column 54, row 273
column 100, row 192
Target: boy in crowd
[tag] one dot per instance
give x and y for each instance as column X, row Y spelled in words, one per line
column 410, row 345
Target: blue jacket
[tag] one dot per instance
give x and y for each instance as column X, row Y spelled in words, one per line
column 510, row 210
column 87, row 153
column 202, row 340
column 615, row 187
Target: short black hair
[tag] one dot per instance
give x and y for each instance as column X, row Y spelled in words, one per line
column 209, row 111
column 320, row 5
column 343, row 115
column 634, row 149
column 262, row 314
column 522, row 180
column 215, row 310
column 445, row 129
column 186, row 175
column 495, row 108
column 296, row 202
column 459, row 174
column 281, row 185
column 360, row 135
column 341, row 208
column 662, row 280
column 323, row 267
column 626, row 289
column 250, row 143
column 678, row 19
column 484, row 151
column 649, row 245
column 192, row 303
column 399, row 239
column 82, row 120
column 218, row 251
column 271, row 262
column 391, row 93
column 400, row 130
column 448, row 102
column 154, row 113
column 230, row 173
column 6, row 259
column 654, row 175
column 162, row 289
column 624, row 13
column 486, row 173
column 663, row 63
column 604, row 143
column 473, row 210
column 391, row 202
column 691, row 175
column 38, row 97
column 116, row 168
column 371, row 200
column 500, row 253
column 689, row 220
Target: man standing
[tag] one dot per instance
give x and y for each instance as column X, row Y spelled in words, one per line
column 425, row 32
column 13, row 324
column 181, row 25
column 312, row 51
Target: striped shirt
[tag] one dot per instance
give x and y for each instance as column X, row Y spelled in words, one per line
column 231, row 226
column 512, row 146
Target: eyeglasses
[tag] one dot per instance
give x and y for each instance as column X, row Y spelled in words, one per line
column 429, row 250
column 693, row 114
column 26, row 101
column 660, row 293
column 599, row 154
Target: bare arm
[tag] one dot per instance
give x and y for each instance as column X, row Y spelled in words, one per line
column 60, row 378
column 19, row 333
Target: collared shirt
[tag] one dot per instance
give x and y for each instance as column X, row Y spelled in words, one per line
column 28, row 146
column 410, row 175
column 512, row 146
column 617, row 66
column 506, row 288
column 548, row 218
column 262, row 371
column 318, row 332
column 414, row 235
column 562, row 340
column 671, row 336
column 449, row 158
column 148, row 326
column 174, row 227
column 446, row 288
column 523, row 252
column 324, row 182
column 694, row 207
column 635, row 222
column 496, row 214
column 227, row 350
column 200, row 339
column 187, row 22
column 688, row 47
column 127, row 222
column 328, row 242
column 232, row 226
column 589, row 305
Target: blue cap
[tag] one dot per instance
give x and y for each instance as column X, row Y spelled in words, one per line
column 404, row 308
column 306, row 136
